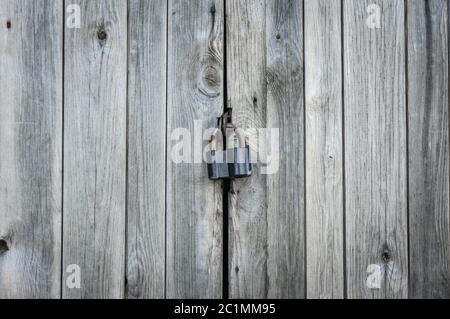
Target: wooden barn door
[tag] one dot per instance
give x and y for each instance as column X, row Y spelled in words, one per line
column 350, row 199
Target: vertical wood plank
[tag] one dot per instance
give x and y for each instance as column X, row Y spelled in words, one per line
column 247, row 95
column 428, row 104
column 31, row 148
column 146, row 149
column 324, row 149
column 265, row 89
column 375, row 149
column 195, row 100
column 95, row 149
column 285, row 187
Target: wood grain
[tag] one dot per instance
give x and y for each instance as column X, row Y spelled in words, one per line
column 147, row 26
column 285, row 187
column 195, row 96
column 247, row 95
column 375, row 149
column 89, row 123
column 31, row 148
column 428, row 104
column 95, row 149
column 265, row 89
column 324, row 149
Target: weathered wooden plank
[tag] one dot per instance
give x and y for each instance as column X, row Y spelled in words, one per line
column 265, row 89
column 195, row 99
column 146, row 149
column 95, row 149
column 429, row 219
column 324, row 149
column 375, row 149
column 31, row 148
column 247, row 95
column 285, row 186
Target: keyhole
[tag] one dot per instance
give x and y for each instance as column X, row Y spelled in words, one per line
column 8, row 24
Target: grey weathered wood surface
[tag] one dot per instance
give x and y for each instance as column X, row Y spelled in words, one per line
column 265, row 89
column 285, row 187
column 195, row 96
column 86, row 149
column 247, row 95
column 429, row 219
column 375, row 149
column 324, row 149
column 31, row 148
column 146, row 148
column 95, row 149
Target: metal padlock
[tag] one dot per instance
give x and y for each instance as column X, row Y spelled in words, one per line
column 233, row 162
column 217, row 162
column 239, row 164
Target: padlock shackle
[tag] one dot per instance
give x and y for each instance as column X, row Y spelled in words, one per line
column 213, row 140
column 242, row 138
column 224, row 122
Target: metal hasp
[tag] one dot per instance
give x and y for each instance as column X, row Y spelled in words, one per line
column 234, row 162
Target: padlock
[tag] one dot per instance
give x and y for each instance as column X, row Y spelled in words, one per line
column 217, row 162
column 238, row 157
column 235, row 161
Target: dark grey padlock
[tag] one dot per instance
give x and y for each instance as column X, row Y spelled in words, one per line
column 239, row 164
column 217, row 162
column 235, row 161
column 218, row 167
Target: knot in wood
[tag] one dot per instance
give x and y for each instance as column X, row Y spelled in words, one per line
column 210, row 83
column 3, row 246
column 211, row 77
column 102, row 35
column 386, row 256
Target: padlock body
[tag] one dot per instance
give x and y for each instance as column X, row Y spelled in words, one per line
column 239, row 164
column 217, row 165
